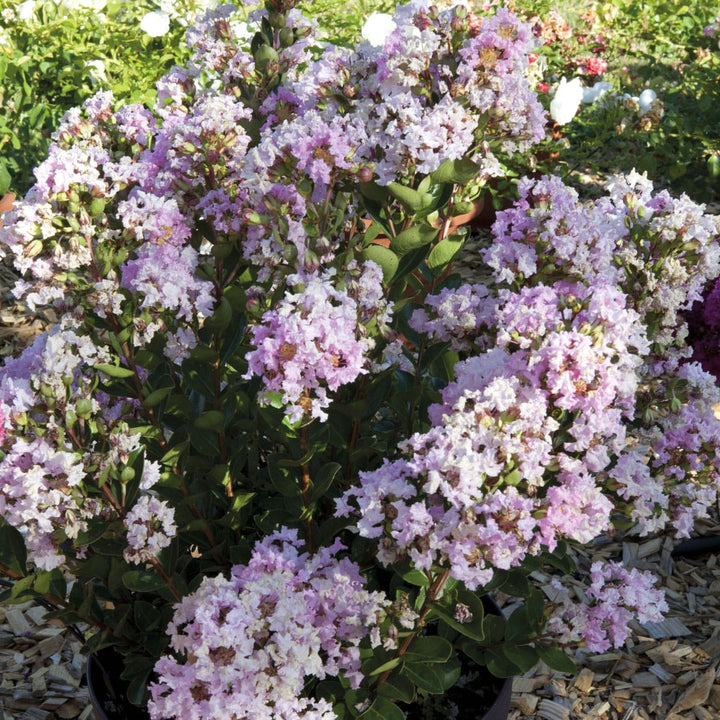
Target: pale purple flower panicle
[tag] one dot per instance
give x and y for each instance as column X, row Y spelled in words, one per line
column 463, row 317
column 312, row 342
column 150, row 526
column 616, row 597
column 36, row 481
column 246, row 645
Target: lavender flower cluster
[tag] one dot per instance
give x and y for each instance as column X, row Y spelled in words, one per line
column 250, row 643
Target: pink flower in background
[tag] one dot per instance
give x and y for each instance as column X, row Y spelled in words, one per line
column 595, row 66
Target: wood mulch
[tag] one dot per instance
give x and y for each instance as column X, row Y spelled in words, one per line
column 667, row 671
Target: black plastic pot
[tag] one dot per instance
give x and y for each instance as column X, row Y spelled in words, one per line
column 107, row 690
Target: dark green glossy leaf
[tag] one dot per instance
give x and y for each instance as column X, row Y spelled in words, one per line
column 147, row 616
column 556, row 659
column 524, row 657
column 13, row 554
column 323, row 479
column 397, row 687
column 142, row 581
column 500, row 665
column 382, row 709
column 282, row 478
column 435, row 678
column 428, row 649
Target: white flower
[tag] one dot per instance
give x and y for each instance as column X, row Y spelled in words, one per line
column 155, row 24
column 96, row 71
column 646, row 100
column 591, row 94
column 26, row 10
column 565, row 104
column 92, row 4
column 377, row 27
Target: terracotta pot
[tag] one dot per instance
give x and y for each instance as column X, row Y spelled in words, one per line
column 475, row 218
column 7, row 203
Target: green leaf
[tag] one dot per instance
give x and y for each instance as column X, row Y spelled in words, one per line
column 459, row 172
column 282, row 478
column 444, row 253
column 475, row 628
column 114, row 371
column 535, row 609
column 416, row 236
column 384, row 667
column 494, row 628
column 220, row 319
column 137, row 692
column 397, row 687
column 156, row 397
column 713, row 166
column 373, row 191
column 142, row 581
column 518, row 625
column 213, row 420
column 428, row 649
column 51, row 583
column 500, row 665
column 435, row 678
column 384, row 257
column 13, row 553
column 412, row 200
column 515, row 583
column 5, row 179
column 556, row 659
column 524, row 657
column 475, row 652
column 147, row 616
column 382, row 709
column 323, row 479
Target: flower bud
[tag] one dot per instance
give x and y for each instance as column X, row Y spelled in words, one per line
column 365, row 174
column 83, row 407
column 126, row 475
column 33, row 248
column 287, row 37
column 264, row 56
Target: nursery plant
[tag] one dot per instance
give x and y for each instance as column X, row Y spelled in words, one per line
column 282, row 453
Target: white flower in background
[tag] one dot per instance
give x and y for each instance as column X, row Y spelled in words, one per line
column 92, row 4
column 96, row 71
column 26, row 10
column 646, row 99
column 377, row 27
column 155, row 23
column 565, row 104
column 591, row 94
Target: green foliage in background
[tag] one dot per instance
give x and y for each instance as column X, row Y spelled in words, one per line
column 657, row 44
column 344, row 20
column 44, row 72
